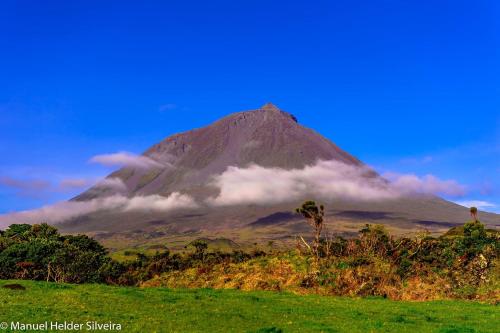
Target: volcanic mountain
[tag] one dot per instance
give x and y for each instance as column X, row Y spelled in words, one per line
column 268, row 139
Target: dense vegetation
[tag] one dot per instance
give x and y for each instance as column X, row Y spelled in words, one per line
column 39, row 252
column 209, row 310
column 463, row 263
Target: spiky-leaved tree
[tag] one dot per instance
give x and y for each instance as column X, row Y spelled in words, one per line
column 314, row 216
column 473, row 213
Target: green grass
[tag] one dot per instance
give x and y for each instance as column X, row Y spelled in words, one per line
column 205, row 310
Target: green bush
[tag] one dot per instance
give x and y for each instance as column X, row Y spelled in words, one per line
column 374, row 263
column 39, row 252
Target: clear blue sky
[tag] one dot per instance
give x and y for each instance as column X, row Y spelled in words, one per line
column 406, row 86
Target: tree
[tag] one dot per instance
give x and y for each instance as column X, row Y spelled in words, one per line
column 17, row 231
column 473, row 213
column 45, row 231
column 200, row 248
column 314, row 216
column 40, row 252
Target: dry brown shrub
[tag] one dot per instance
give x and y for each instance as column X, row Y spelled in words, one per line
column 419, row 289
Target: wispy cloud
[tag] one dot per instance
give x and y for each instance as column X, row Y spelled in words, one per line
column 410, row 183
column 75, row 183
column 480, row 204
column 25, row 187
column 24, row 184
column 255, row 184
column 63, row 211
column 126, row 159
column 37, row 188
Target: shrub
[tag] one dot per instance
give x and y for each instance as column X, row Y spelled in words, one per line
column 40, row 252
column 463, row 263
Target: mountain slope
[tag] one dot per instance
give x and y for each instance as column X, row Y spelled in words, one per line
column 268, row 137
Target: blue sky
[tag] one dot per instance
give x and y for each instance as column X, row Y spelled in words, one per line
column 407, row 87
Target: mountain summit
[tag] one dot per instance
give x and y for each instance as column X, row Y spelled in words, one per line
column 267, row 136
column 269, row 106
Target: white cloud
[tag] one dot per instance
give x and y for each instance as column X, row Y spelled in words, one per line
column 126, row 159
column 62, row 211
column 409, row 183
column 160, row 203
column 476, row 203
column 323, row 180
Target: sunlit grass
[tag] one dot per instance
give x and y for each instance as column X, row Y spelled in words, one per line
column 207, row 310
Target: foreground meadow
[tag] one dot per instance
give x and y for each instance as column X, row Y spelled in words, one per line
column 208, row 310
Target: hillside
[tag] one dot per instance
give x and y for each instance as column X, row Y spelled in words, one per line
column 200, row 163
column 267, row 137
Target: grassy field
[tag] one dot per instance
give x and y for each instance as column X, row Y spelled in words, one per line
column 206, row 310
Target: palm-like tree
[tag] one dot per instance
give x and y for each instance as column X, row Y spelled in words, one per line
column 473, row 213
column 314, row 216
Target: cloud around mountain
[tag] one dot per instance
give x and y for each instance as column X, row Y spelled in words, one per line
column 428, row 184
column 481, row 204
column 66, row 210
column 325, row 180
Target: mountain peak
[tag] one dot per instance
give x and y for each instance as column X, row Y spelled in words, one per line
column 270, row 107
column 268, row 137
